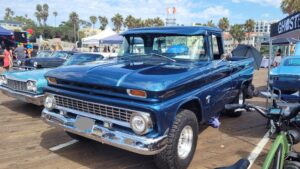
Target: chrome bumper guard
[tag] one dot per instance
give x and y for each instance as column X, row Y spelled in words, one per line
column 137, row 144
column 29, row 98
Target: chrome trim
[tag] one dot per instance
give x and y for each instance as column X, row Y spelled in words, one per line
column 26, row 97
column 121, row 115
column 130, row 142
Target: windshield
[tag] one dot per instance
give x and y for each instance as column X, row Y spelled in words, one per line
column 292, row 62
column 59, row 54
column 44, row 54
column 79, row 59
column 172, row 47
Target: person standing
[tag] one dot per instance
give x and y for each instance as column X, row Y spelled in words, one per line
column 20, row 52
column 6, row 58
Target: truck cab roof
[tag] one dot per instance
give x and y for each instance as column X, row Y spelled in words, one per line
column 175, row 30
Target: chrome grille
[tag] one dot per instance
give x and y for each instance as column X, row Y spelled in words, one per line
column 94, row 108
column 16, row 85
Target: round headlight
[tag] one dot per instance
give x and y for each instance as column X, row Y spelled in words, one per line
column 3, row 80
column 19, row 63
column 35, row 64
column 140, row 124
column 50, row 102
column 31, row 86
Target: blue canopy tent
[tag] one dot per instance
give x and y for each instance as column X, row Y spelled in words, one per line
column 6, row 37
column 114, row 39
column 5, row 32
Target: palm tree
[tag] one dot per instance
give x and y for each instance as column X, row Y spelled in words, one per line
column 93, row 20
column 103, row 22
column 55, row 15
column 158, row 22
column 210, row 24
column 130, row 22
column 74, row 18
column 249, row 27
column 45, row 13
column 117, row 21
column 224, row 23
column 237, row 33
column 8, row 14
column 38, row 13
column 290, row 6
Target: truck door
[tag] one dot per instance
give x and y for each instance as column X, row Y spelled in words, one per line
column 221, row 82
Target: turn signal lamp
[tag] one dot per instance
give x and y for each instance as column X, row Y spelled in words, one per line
column 137, row 93
column 51, row 80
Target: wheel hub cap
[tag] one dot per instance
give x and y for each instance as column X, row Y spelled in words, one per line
column 185, row 142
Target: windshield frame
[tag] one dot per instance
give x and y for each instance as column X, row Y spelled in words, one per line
column 149, row 42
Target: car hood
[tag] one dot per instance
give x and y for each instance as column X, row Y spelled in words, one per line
column 141, row 74
column 286, row 70
column 27, row 75
column 45, row 59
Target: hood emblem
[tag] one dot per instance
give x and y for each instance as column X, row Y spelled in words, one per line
column 208, row 99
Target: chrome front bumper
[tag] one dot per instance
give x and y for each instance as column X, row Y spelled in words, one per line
column 29, row 98
column 130, row 142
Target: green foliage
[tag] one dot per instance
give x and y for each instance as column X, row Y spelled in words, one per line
column 224, row 23
column 93, row 20
column 117, row 20
column 132, row 22
column 237, row 32
column 290, row 6
column 8, row 14
column 103, row 22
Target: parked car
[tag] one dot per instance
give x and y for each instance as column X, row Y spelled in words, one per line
column 286, row 76
column 151, row 100
column 28, row 85
column 18, row 63
column 56, row 59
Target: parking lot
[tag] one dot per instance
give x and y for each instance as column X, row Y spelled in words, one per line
column 26, row 142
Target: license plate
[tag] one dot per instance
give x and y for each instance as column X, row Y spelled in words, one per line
column 84, row 124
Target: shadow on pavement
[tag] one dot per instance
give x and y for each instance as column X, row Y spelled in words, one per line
column 24, row 108
column 93, row 154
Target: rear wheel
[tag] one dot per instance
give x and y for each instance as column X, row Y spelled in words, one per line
column 240, row 99
column 182, row 142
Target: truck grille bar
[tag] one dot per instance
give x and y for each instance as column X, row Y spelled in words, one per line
column 16, row 85
column 115, row 113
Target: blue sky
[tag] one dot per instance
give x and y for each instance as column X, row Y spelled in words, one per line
column 188, row 11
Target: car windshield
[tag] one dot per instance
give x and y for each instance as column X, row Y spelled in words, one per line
column 44, row 54
column 292, row 62
column 59, row 54
column 79, row 59
column 170, row 47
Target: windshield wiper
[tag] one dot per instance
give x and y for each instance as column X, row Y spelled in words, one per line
column 163, row 56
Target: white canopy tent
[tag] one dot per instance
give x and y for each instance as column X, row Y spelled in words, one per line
column 95, row 39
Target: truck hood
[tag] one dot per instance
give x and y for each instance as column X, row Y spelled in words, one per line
column 140, row 74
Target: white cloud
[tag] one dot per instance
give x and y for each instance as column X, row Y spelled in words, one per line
column 274, row 3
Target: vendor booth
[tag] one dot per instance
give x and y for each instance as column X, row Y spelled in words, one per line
column 286, row 31
column 6, row 37
column 94, row 40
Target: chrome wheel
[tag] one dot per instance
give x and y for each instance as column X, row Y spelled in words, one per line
column 241, row 98
column 185, row 142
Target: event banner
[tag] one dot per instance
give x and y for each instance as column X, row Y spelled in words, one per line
column 287, row 24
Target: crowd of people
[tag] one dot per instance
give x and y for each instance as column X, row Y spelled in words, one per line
column 8, row 54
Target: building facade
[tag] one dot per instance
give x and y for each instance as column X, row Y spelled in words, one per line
column 11, row 25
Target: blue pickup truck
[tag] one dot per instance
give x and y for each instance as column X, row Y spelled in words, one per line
column 151, row 100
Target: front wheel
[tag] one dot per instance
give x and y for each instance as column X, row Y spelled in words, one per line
column 291, row 165
column 182, row 142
